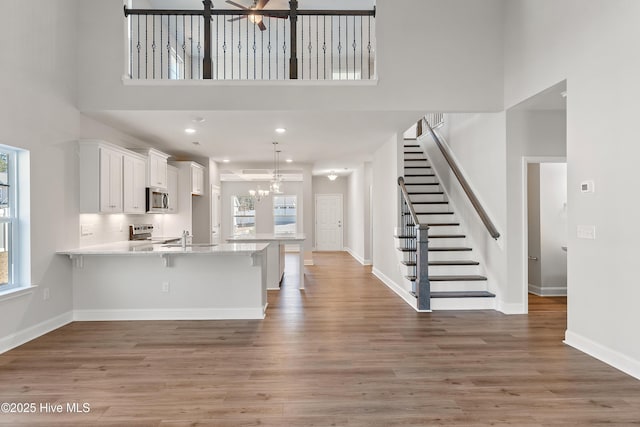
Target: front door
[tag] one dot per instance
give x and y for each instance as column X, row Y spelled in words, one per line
column 329, row 222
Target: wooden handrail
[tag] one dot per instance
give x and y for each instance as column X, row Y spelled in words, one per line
column 405, row 194
column 493, row 231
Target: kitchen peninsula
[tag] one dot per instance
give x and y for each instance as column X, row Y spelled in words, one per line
column 275, row 254
column 145, row 281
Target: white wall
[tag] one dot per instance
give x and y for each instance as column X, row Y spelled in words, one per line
column 533, row 227
column 322, row 185
column 553, row 228
column 357, row 203
column 386, row 169
column 465, row 36
column 478, row 144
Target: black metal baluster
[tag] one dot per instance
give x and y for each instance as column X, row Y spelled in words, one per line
column 339, row 48
column 262, row 54
column 138, row 46
column 191, row 46
column 217, row 47
column 168, row 46
column 161, row 46
column 324, row 47
column 232, row 48
column 240, row 48
column 254, row 27
column 254, row 51
column 176, row 50
column 354, row 47
column 184, row 48
column 284, row 50
column 269, row 47
column 310, row 46
column 130, row 47
column 361, row 43
column 332, row 48
column 369, row 47
column 198, row 47
column 153, row 47
column 277, row 49
column 146, row 47
column 317, row 48
column 302, row 46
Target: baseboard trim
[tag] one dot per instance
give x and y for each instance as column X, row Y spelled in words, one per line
column 604, row 354
column 171, row 314
column 511, row 308
column 21, row 337
column 548, row 291
column 406, row 296
column 357, row 257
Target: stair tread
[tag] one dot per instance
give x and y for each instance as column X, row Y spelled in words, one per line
column 462, row 294
column 443, row 224
column 430, row 213
column 425, row 193
column 426, row 183
column 457, row 278
column 417, row 167
column 413, row 175
column 449, row 249
column 453, row 262
column 447, row 236
column 430, row 203
column 413, row 152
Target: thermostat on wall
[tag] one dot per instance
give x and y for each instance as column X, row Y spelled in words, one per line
column 587, row 187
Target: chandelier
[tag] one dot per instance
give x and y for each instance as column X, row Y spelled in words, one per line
column 258, row 193
column 276, row 181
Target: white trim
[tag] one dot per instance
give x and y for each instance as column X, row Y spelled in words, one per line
column 548, row 291
column 402, row 293
column 357, row 257
column 18, row 338
column 16, row 292
column 609, row 356
column 511, row 308
column 170, row 314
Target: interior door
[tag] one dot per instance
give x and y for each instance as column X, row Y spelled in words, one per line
column 329, row 222
column 216, row 213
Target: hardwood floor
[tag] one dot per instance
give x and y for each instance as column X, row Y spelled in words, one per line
column 344, row 352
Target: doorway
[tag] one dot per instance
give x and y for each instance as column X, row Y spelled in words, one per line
column 547, row 234
column 216, row 213
column 329, row 222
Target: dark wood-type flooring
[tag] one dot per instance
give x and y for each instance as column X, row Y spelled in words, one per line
column 344, row 352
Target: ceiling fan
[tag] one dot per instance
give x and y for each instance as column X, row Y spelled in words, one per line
column 256, row 19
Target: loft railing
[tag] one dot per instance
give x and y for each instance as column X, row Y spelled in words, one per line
column 438, row 120
column 251, row 44
column 414, row 238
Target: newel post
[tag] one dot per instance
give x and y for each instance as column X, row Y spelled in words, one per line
column 423, row 287
column 293, row 60
column 207, row 65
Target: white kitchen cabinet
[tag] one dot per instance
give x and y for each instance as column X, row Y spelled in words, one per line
column 172, row 188
column 157, row 169
column 197, row 179
column 134, row 183
column 101, row 177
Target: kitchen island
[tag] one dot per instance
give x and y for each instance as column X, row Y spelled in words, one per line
column 275, row 254
column 145, row 281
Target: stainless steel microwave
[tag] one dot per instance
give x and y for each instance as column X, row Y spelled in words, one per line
column 157, row 200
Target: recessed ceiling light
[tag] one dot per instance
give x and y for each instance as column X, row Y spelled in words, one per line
column 289, row 160
column 190, row 130
column 196, row 142
column 226, row 161
column 199, row 120
column 281, row 130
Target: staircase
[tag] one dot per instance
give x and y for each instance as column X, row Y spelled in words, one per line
column 455, row 276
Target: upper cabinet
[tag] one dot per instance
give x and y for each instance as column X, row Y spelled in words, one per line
column 156, row 167
column 172, row 188
column 101, row 177
column 134, row 183
column 197, row 179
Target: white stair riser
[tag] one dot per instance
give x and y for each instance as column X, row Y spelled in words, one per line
column 420, row 180
column 419, row 156
column 415, row 171
column 444, row 207
column 454, row 270
column 425, row 219
column 466, row 286
column 447, row 242
column 427, row 198
column 463, row 303
column 447, row 229
column 450, row 255
column 422, row 189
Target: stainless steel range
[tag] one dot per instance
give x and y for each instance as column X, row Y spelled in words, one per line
column 145, row 231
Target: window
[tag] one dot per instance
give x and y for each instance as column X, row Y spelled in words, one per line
column 284, row 214
column 244, row 215
column 176, row 65
column 8, row 217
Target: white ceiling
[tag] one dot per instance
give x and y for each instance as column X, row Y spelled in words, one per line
column 329, row 140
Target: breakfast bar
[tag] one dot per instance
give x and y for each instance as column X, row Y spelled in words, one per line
column 146, row 281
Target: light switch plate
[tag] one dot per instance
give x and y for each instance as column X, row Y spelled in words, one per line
column 587, row 232
column 587, row 187
column 86, row 230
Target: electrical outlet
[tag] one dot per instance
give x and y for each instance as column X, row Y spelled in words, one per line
column 45, row 294
column 86, row 230
column 165, row 286
column 586, row 232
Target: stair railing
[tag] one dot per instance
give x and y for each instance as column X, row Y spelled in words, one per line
column 415, row 238
column 484, row 217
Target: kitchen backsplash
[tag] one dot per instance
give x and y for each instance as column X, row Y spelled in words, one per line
column 96, row 229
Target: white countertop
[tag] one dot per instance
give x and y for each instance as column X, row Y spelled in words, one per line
column 269, row 237
column 149, row 248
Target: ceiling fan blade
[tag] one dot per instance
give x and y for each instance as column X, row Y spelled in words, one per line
column 262, row 26
column 261, row 4
column 236, row 4
column 237, row 19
